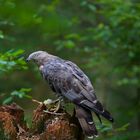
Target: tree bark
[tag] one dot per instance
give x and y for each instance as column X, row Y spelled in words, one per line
column 46, row 124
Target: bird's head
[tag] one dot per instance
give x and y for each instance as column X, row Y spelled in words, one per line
column 39, row 57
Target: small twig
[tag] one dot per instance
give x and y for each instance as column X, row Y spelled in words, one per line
column 54, row 113
column 21, row 130
column 36, row 101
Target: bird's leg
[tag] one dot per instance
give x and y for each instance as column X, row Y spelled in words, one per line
column 54, row 105
column 55, row 101
column 59, row 104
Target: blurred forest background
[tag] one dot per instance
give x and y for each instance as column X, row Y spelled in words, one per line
column 101, row 36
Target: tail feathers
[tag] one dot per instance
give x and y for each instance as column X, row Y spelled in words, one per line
column 107, row 115
column 103, row 112
column 97, row 108
column 98, row 116
column 85, row 119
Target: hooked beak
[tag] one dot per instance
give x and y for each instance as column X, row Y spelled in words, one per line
column 27, row 60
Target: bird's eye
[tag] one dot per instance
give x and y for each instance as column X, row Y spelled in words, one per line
column 36, row 55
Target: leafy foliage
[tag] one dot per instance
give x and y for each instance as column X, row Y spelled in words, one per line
column 22, row 93
column 12, row 60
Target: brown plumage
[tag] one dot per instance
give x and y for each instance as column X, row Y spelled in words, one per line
column 67, row 80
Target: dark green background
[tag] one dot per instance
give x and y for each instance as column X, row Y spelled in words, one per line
column 101, row 36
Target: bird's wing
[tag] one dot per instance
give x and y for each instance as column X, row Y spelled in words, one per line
column 88, row 92
column 74, row 85
column 83, row 80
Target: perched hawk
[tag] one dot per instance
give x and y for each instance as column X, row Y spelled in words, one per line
column 67, row 80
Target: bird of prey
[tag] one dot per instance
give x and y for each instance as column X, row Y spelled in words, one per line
column 67, row 80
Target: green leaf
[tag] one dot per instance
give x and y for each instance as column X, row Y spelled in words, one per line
column 21, row 93
column 8, row 100
column 15, row 93
column 1, row 35
column 25, row 89
column 69, row 44
column 18, row 52
column 73, row 36
column 92, row 7
column 123, row 128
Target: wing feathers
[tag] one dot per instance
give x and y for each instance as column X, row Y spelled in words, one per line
column 83, row 102
column 98, row 109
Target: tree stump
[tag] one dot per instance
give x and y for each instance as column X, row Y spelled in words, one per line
column 47, row 124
